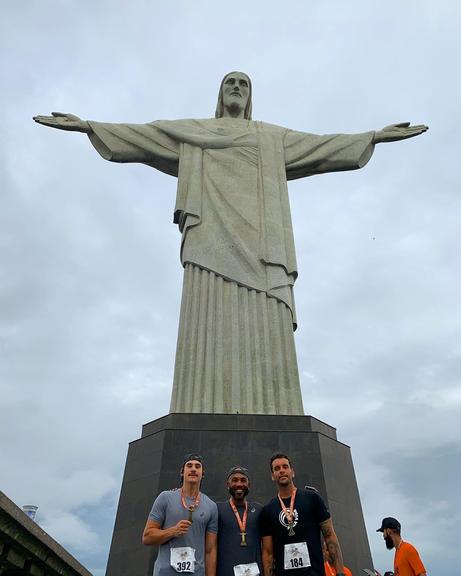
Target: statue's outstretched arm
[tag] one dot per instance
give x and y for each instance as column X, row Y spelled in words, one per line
column 400, row 131
column 143, row 143
column 63, row 121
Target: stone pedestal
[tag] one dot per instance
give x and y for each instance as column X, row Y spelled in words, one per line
column 226, row 440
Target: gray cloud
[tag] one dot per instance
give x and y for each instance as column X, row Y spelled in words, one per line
column 89, row 276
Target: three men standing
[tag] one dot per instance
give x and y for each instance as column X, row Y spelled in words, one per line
column 195, row 535
column 183, row 523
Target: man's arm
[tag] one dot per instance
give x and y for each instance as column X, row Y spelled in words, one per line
column 268, row 555
column 211, row 547
column 331, row 540
column 155, row 535
column 415, row 562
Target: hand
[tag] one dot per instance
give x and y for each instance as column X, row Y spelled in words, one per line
column 63, row 121
column 182, row 527
column 400, row 131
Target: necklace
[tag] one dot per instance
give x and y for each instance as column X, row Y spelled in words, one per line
column 192, row 507
column 289, row 512
column 241, row 523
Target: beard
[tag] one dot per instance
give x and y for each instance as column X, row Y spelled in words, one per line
column 232, row 492
column 389, row 543
column 234, row 109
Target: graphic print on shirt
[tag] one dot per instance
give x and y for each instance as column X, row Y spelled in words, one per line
column 284, row 520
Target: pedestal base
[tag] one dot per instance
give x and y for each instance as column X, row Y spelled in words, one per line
column 226, row 440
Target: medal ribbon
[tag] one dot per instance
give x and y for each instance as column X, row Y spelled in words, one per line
column 289, row 513
column 193, row 506
column 242, row 523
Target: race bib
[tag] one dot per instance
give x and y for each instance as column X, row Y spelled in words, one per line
column 246, row 569
column 296, row 556
column 182, row 559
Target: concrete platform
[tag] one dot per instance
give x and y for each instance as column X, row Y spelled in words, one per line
column 226, row 440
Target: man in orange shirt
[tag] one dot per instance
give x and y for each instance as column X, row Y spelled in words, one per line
column 329, row 569
column 406, row 560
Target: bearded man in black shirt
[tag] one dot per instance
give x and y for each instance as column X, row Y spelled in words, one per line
column 291, row 528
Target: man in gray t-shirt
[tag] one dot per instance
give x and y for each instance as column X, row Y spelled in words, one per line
column 184, row 524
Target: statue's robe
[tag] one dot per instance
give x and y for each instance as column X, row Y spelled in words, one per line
column 235, row 350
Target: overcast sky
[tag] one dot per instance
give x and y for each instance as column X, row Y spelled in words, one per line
column 90, row 279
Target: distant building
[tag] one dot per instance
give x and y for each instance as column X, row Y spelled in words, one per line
column 27, row 550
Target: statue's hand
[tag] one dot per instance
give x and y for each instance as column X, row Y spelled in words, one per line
column 400, row 131
column 63, row 121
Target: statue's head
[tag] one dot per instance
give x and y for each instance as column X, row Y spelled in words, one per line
column 234, row 95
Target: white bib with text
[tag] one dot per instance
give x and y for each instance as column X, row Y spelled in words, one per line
column 183, row 559
column 246, row 569
column 296, row 556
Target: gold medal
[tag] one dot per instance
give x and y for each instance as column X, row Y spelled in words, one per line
column 289, row 513
column 192, row 507
column 242, row 524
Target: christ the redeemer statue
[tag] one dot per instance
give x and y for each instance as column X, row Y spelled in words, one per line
column 235, row 350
